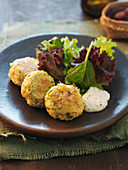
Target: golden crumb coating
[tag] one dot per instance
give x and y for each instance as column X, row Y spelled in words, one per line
column 35, row 86
column 20, row 68
column 64, row 102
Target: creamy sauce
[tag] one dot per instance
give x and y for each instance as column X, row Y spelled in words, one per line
column 95, row 99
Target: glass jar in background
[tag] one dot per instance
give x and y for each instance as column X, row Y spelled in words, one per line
column 94, row 7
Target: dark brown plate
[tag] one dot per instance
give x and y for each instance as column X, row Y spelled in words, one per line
column 15, row 112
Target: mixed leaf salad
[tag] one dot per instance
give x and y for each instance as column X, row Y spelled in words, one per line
column 86, row 67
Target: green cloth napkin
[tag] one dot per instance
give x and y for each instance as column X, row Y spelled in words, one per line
column 15, row 145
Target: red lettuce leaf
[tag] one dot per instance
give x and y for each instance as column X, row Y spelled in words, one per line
column 104, row 67
column 52, row 62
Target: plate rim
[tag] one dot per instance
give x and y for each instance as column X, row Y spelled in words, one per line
column 42, row 34
column 59, row 134
column 55, row 133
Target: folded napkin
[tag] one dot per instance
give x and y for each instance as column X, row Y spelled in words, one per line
column 16, row 145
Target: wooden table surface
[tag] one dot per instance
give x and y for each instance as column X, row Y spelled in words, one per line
column 49, row 10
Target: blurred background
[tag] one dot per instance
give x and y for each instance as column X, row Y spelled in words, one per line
column 48, row 10
column 40, row 10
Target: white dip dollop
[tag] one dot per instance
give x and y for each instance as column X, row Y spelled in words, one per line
column 95, row 99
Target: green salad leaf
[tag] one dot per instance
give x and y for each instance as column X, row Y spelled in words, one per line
column 83, row 75
column 51, row 44
column 70, row 49
column 105, row 45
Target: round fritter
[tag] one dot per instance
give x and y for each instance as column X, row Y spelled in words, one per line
column 64, row 102
column 35, row 86
column 20, row 68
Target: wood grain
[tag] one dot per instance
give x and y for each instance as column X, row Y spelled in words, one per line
column 112, row 160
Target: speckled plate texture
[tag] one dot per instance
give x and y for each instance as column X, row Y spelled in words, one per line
column 15, row 112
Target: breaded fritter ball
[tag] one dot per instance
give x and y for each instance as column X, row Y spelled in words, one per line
column 35, row 86
column 20, row 68
column 64, row 102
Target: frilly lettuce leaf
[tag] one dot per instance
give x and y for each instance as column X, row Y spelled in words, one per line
column 105, row 45
column 51, row 44
column 70, row 49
